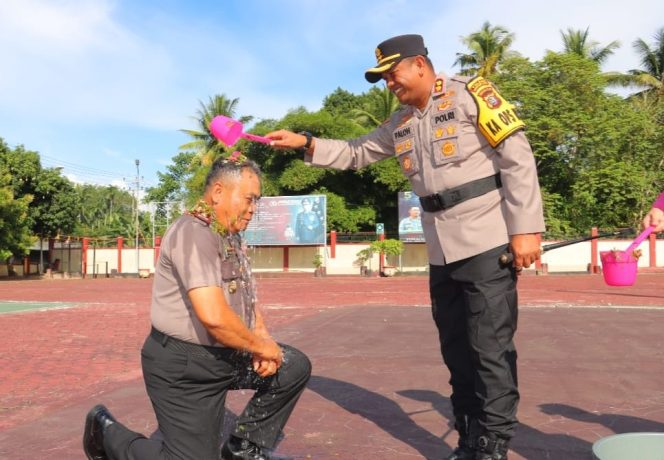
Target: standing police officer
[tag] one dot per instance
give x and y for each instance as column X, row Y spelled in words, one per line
column 207, row 338
column 463, row 148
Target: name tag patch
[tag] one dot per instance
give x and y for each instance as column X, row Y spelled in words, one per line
column 444, row 117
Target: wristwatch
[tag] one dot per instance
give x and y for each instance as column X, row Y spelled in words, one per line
column 307, row 144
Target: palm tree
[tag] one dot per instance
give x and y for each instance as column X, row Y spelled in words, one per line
column 651, row 77
column 489, row 46
column 204, row 143
column 377, row 107
column 576, row 41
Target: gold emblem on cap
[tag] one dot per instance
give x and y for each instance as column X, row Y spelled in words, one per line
column 379, row 55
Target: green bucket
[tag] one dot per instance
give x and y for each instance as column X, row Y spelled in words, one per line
column 630, row 446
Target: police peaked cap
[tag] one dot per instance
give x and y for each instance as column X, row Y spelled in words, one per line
column 390, row 52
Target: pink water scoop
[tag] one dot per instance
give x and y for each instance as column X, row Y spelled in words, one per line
column 229, row 131
column 619, row 267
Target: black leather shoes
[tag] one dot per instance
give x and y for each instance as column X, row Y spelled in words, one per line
column 96, row 422
column 241, row 449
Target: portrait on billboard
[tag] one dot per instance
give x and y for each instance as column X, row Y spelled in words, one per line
column 288, row 221
column 410, row 218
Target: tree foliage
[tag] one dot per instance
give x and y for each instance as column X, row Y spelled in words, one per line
column 52, row 208
column 488, row 47
column 577, row 41
column 15, row 235
column 598, row 156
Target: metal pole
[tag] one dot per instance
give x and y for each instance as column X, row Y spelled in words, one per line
column 153, row 210
column 136, row 221
column 41, row 254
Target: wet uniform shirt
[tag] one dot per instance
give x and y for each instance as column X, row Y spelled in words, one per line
column 192, row 255
column 441, row 147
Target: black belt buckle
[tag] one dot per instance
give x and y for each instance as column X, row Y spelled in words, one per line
column 432, row 203
column 437, row 200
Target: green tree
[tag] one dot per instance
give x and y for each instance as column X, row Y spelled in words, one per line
column 52, row 204
column 15, row 235
column 352, row 196
column 578, row 42
column 488, row 47
column 105, row 211
column 377, row 106
column 650, row 78
column 341, row 102
column 206, row 147
column 596, row 154
column 203, row 142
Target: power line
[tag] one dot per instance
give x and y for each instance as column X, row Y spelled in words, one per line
column 81, row 168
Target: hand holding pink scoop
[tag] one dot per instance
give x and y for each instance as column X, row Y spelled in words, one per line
column 229, row 131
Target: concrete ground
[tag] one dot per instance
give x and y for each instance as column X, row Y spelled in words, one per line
column 590, row 364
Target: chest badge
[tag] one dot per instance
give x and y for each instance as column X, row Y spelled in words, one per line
column 407, row 163
column 448, row 149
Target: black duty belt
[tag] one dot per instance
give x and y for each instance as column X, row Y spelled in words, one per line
column 188, row 347
column 456, row 195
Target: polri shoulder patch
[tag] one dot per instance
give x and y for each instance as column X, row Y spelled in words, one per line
column 496, row 117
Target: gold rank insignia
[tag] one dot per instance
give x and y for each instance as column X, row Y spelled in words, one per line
column 444, row 105
column 439, row 85
column 448, row 149
column 404, row 146
column 232, row 287
column 445, row 131
column 379, row 55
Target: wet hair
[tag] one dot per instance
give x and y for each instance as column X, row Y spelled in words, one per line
column 226, row 170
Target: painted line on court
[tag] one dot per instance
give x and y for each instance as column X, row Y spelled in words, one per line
column 14, row 306
column 569, row 306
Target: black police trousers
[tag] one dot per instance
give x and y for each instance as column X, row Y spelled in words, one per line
column 474, row 305
column 187, row 385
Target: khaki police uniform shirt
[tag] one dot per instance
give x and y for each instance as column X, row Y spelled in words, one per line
column 190, row 257
column 439, row 148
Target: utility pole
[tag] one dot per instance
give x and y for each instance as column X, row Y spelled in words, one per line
column 138, row 187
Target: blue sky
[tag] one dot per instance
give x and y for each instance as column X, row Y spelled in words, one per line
column 93, row 85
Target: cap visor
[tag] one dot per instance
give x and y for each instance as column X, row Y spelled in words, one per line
column 373, row 75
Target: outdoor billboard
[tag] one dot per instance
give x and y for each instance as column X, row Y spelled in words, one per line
column 288, row 221
column 410, row 223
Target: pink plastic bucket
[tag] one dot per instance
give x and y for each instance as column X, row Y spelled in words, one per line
column 618, row 268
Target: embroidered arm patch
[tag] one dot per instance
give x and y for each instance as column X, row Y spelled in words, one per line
column 496, row 117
